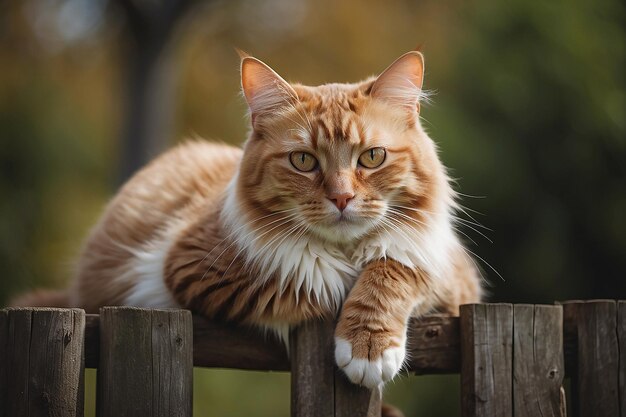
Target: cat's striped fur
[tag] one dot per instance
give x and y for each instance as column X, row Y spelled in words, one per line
column 242, row 235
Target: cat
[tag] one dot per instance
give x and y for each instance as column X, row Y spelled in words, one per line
column 337, row 204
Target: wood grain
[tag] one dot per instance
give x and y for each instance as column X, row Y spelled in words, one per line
column 312, row 370
column 538, row 368
column 486, row 360
column 222, row 345
column 433, row 346
column 172, row 363
column 42, row 362
column 17, row 363
column 4, row 345
column 318, row 388
column 592, row 334
column 621, row 338
column 596, row 391
column 355, row 401
column 145, row 363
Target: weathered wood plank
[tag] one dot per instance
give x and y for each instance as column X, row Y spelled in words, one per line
column 43, row 362
column 434, row 346
column 57, row 362
column 144, row 356
column 486, row 360
column 538, row 367
column 220, row 345
column 124, row 386
column 596, row 392
column 17, row 362
column 4, row 341
column 312, row 370
column 570, row 351
column 354, row 401
column 318, row 388
column 172, row 363
column 215, row 345
column 621, row 336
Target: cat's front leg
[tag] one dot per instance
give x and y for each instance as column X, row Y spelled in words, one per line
column 370, row 337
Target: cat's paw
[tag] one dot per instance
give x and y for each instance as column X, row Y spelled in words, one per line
column 369, row 359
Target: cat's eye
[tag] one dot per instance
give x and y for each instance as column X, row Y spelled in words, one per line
column 373, row 158
column 303, row 161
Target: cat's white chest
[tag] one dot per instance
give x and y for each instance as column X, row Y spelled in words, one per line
column 323, row 273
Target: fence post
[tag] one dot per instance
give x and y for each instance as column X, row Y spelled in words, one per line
column 538, row 366
column 318, row 388
column 4, row 362
column 486, row 360
column 146, row 363
column 41, row 362
column 621, row 338
column 596, row 382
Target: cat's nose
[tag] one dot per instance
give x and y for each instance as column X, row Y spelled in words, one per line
column 341, row 199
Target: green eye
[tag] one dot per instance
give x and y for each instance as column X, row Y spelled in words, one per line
column 373, row 158
column 303, row 161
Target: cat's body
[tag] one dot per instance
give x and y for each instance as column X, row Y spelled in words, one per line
column 284, row 230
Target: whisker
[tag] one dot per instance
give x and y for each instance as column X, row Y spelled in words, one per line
column 469, row 195
column 241, row 250
column 455, row 228
column 475, row 222
column 468, row 225
column 464, row 208
column 470, row 251
column 275, row 238
column 460, row 219
column 410, row 241
column 485, row 262
column 286, row 220
column 396, row 227
column 421, row 223
column 465, row 234
column 268, row 245
column 239, row 228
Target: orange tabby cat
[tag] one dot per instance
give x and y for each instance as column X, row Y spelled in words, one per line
column 338, row 198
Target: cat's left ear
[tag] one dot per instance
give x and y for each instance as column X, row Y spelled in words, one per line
column 401, row 83
column 265, row 90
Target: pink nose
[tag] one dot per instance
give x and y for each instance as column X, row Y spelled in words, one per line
column 341, row 200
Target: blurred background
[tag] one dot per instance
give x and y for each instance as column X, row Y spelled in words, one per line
column 529, row 114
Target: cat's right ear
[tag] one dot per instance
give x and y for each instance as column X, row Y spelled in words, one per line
column 401, row 83
column 265, row 90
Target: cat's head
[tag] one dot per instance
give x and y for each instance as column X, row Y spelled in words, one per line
column 339, row 161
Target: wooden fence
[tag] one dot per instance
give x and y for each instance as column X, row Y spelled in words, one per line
column 512, row 359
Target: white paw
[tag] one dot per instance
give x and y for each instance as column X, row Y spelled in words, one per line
column 368, row 373
column 393, row 358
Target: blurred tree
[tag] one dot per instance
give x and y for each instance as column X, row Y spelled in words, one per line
column 540, row 105
column 151, row 75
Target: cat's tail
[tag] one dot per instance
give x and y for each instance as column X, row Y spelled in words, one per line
column 42, row 298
